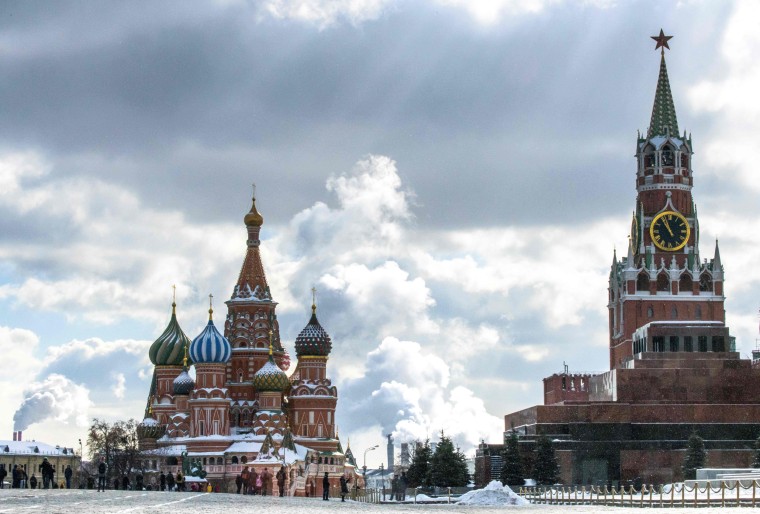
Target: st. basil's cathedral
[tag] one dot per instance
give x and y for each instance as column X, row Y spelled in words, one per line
column 242, row 410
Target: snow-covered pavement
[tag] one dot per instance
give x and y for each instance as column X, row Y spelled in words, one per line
column 73, row 501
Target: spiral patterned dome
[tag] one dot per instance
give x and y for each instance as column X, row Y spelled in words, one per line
column 270, row 377
column 150, row 429
column 313, row 340
column 183, row 384
column 210, row 346
column 169, row 348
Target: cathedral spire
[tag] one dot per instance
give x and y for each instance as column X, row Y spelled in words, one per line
column 252, row 282
column 663, row 122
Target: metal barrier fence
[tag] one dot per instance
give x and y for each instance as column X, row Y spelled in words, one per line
column 738, row 493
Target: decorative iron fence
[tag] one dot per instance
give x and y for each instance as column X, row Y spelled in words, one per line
column 729, row 493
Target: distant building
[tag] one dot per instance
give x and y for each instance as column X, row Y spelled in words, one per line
column 673, row 365
column 242, row 410
column 29, row 454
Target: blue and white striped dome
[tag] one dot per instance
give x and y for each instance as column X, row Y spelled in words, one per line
column 210, row 346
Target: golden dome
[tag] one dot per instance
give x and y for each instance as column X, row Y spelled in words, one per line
column 253, row 218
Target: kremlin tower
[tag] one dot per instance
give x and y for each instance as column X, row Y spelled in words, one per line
column 242, row 409
column 673, row 366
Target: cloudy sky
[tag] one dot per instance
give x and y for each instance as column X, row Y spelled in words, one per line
column 452, row 176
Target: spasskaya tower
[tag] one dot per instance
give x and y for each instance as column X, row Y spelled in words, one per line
column 662, row 281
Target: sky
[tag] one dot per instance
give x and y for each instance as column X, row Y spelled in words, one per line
column 451, row 175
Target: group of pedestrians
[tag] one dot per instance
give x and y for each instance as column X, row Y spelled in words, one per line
column 20, row 479
column 250, row 482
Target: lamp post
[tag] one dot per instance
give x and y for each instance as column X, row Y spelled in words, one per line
column 382, row 480
column 80, row 463
column 364, row 467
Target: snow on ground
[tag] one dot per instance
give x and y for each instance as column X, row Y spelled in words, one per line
column 154, row 502
column 493, row 494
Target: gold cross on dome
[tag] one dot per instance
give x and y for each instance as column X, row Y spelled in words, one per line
column 662, row 41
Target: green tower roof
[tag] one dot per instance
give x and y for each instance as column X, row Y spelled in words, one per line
column 664, row 121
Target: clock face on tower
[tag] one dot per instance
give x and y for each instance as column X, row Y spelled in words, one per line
column 669, row 231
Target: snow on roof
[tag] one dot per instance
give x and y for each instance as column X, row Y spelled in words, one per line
column 26, row 447
column 173, row 450
column 493, row 494
column 244, row 447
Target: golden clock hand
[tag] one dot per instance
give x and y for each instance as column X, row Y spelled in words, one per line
column 668, row 227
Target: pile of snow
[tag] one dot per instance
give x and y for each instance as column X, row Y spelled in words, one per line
column 493, row 494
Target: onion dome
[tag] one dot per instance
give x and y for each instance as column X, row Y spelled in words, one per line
column 313, row 340
column 183, row 384
column 253, row 218
column 150, row 429
column 169, row 348
column 210, row 346
column 270, row 377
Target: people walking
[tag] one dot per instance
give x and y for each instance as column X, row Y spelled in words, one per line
column 3, row 474
column 180, row 480
column 102, row 471
column 170, row 481
column 326, row 487
column 245, row 477
column 403, row 482
column 162, row 481
column 125, row 482
column 239, row 482
column 343, row 488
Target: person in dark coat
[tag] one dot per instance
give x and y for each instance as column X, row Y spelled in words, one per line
column 102, row 470
column 125, row 482
column 343, row 488
column 46, row 469
column 403, row 482
column 239, row 482
column 33, row 482
column 170, row 481
column 3, row 474
column 162, row 481
column 281, row 475
column 325, row 487
column 68, row 473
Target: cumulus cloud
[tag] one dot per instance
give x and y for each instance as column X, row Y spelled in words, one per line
column 407, row 392
column 57, row 398
column 119, row 385
column 324, row 13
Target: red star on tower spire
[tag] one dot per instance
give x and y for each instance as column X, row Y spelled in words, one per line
column 662, row 41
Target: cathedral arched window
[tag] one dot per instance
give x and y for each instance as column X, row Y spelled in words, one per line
column 240, row 376
column 663, row 282
column 667, row 156
column 673, row 312
column 650, row 312
column 685, row 284
column 642, row 282
column 684, row 162
column 698, row 312
column 705, row 282
column 234, row 459
column 243, row 459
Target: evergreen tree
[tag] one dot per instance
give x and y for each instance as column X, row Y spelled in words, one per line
column 448, row 467
column 545, row 467
column 696, row 456
column 756, row 462
column 512, row 469
column 418, row 474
